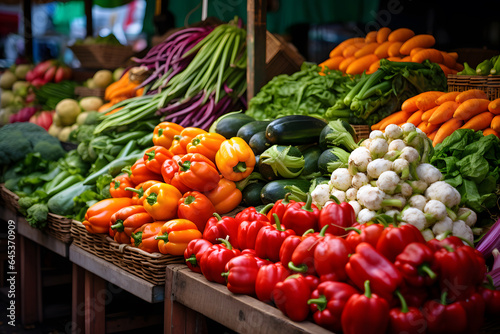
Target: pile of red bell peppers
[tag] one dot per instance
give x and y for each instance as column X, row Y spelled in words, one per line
column 320, row 265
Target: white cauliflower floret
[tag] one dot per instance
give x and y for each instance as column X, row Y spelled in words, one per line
column 461, row 229
column 365, row 215
column 356, row 206
column 341, row 179
column 321, row 194
column 435, row 210
column 393, row 131
column 351, row 193
column 443, row 226
column 339, row 194
column 377, row 167
column 468, row 216
column 378, row 147
column 359, row 180
column 415, row 217
column 427, row 234
column 397, row 145
column 393, row 213
column 376, row 134
column 398, row 200
column 444, row 193
column 407, row 128
column 410, row 154
column 402, row 167
column 388, row 181
column 428, row 173
column 365, row 143
column 371, row 197
column 418, row 202
column 406, row 189
column 418, row 187
column 359, row 160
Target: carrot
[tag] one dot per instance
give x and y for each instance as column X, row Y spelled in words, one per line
column 345, row 63
column 443, row 112
column 422, row 126
column 337, row 51
column 373, row 67
column 433, row 55
column 393, row 50
column 490, row 131
column 351, row 49
column 479, row 122
column 332, row 63
column 494, row 106
column 382, row 34
column 427, row 100
column 401, row 35
column 428, row 128
column 382, row 49
column 446, row 129
column 432, row 135
column 417, row 41
column 471, row 94
column 448, row 60
column 139, row 92
column 394, row 58
column 471, row 108
column 453, row 55
column 415, row 118
column 450, row 96
column 407, row 58
column 414, row 51
column 362, row 64
column 127, row 90
column 409, row 105
column 458, row 67
column 495, row 123
column 113, row 111
column 105, row 106
column 395, row 118
column 366, row 50
column 371, row 37
column 446, row 69
column 428, row 113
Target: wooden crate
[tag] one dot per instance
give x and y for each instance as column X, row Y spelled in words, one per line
column 82, row 91
column 100, row 56
column 9, row 198
column 490, row 84
column 281, row 58
column 362, row 131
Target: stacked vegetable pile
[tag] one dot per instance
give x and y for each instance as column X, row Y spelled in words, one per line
column 363, row 54
column 439, row 114
column 486, row 67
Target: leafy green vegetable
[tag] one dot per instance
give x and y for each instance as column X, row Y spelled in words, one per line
column 36, row 215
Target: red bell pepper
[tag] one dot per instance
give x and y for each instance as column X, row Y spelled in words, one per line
column 491, row 297
column 218, row 227
column 368, row 264
column 280, row 207
column 303, row 255
column 139, row 173
column 338, row 216
column 193, row 253
column 443, row 317
column 330, row 257
column 302, row 216
column 288, row 247
column 451, row 241
column 460, row 271
column 269, row 240
column 267, row 277
column 359, row 233
column 176, row 182
column 365, row 313
column 291, row 296
column 251, row 214
column 394, row 239
column 406, row 319
column 214, row 259
column 474, row 306
column 247, row 232
column 416, row 264
column 241, row 273
column 169, row 168
column 196, row 207
column 327, row 303
column 155, row 156
column 197, row 172
column 415, row 296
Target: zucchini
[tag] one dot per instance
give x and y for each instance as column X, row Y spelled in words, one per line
column 248, row 130
column 228, row 125
column 275, row 190
column 323, row 143
column 311, row 157
column 295, row 130
column 251, row 193
column 259, row 143
column 62, row 203
column 281, row 161
column 332, row 159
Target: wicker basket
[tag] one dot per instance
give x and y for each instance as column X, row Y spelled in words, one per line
column 148, row 266
column 100, row 56
column 490, row 84
column 82, row 91
column 362, row 131
column 59, row 227
column 9, row 198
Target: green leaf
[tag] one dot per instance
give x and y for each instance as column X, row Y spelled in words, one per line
column 474, row 167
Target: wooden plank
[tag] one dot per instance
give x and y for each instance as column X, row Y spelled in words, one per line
column 95, row 303
column 121, row 278
column 241, row 313
column 119, row 323
column 256, row 46
column 30, row 282
column 78, row 300
column 41, row 238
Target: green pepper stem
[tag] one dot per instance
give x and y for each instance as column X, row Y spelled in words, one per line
column 225, row 274
column 335, row 199
column 426, row 269
column 266, row 208
column 184, row 166
column 277, row 222
column 117, row 184
column 308, row 206
column 240, row 167
column 139, row 191
column 163, row 237
column 137, row 238
column 118, row 226
column 216, row 215
column 151, row 155
column 301, row 268
column 152, row 199
column 192, row 260
column 368, row 291
column 311, row 230
column 226, row 243
column 323, row 230
column 196, row 141
column 320, row 302
column 189, row 199
column 443, row 298
column 351, row 228
column 404, row 305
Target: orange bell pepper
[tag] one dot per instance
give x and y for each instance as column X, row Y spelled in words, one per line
column 163, row 134
column 98, row 216
column 126, row 220
column 154, row 157
column 144, row 237
column 235, row 159
column 197, row 172
column 175, row 236
column 206, row 143
column 225, row 197
column 161, row 201
column 196, row 207
column 138, row 197
column 181, row 140
column 117, row 187
column 140, row 173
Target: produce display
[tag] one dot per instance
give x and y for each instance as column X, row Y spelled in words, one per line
column 486, row 67
column 279, row 198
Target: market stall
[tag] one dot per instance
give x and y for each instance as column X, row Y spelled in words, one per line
column 220, row 177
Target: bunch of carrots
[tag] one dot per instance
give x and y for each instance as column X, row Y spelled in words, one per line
column 122, row 89
column 359, row 54
column 438, row 114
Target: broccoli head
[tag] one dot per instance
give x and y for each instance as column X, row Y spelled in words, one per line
column 49, row 150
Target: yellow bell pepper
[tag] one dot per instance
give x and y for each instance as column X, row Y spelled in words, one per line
column 235, row 159
column 175, row 236
column 160, row 201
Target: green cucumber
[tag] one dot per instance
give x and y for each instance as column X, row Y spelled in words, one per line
column 228, row 125
column 275, row 190
column 311, row 156
column 62, row 203
column 295, row 130
column 251, row 194
column 259, row 143
column 248, row 130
